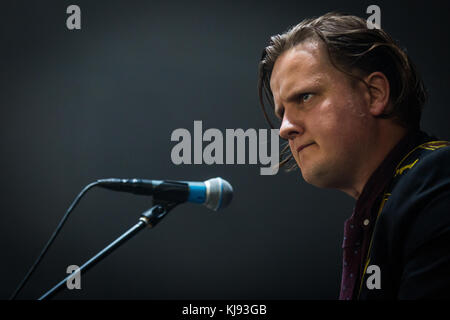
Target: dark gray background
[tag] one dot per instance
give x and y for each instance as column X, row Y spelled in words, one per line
column 103, row 101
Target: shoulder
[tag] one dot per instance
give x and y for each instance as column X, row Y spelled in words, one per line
column 413, row 228
column 427, row 156
column 418, row 207
column 418, row 202
column 424, row 173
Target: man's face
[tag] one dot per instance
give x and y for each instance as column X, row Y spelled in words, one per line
column 324, row 117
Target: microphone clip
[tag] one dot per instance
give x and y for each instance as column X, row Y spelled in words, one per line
column 158, row 211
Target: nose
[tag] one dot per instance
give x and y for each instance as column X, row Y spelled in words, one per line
column 289, row 129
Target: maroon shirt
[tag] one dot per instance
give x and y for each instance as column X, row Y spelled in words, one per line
column 359, row 227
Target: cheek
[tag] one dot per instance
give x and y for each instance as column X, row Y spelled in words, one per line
column 293, row 152
column 341, row 116
column 326, row 122
column 337, row 127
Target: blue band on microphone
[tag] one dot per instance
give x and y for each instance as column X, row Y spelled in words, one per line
column 197, row 192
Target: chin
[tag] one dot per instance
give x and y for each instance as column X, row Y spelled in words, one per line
column 318, row 179
column 316, row 183
column 310, row 179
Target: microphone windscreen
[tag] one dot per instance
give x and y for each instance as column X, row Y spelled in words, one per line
column 219, row 193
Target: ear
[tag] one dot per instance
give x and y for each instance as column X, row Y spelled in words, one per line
column 379, row 93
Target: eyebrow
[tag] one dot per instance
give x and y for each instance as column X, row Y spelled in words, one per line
column 294, row 96
column 296, row 93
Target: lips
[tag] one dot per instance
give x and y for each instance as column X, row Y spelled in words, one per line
column 304, row 146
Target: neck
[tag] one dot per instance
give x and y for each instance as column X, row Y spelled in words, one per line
column 387, row 138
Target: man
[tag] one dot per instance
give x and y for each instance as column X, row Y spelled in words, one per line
column 349, row 100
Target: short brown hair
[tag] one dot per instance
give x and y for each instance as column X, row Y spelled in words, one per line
column 351, row 47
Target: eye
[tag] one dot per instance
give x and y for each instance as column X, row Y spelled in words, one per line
column 305, row 97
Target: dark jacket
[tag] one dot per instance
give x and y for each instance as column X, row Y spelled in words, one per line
column 411, row 240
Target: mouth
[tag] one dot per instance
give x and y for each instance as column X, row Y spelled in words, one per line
column 304, row 146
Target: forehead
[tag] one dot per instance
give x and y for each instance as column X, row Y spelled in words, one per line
column 302, row 65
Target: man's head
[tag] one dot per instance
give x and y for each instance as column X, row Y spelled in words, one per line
column 344, row 89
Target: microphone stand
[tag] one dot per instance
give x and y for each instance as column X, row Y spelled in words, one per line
column 149, row 218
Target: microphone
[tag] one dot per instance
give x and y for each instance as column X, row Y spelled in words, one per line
column 214, row 193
